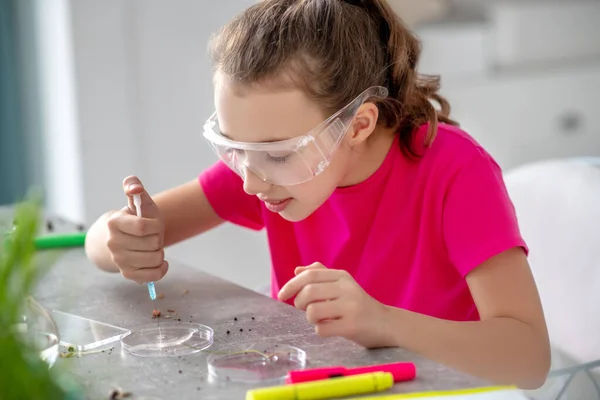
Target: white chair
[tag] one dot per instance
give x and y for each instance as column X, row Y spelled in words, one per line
column 558, row 207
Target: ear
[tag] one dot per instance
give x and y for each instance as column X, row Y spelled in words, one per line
column 364, row 123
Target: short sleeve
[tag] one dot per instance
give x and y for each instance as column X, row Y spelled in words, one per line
column 225, row 192
column 479, row 219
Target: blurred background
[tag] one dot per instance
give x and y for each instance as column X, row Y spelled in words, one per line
column 92, row 91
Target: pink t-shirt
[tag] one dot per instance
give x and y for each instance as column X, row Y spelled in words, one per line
column 409, row 234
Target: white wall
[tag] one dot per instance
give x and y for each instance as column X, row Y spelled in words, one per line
column 58, row 109
column 174, row 98
column 105, row 82
column 128, row 87
column 524, row 96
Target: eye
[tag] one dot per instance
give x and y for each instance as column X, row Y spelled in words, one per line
column 278, row 158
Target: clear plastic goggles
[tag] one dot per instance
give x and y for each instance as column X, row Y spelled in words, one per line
column 292, row 161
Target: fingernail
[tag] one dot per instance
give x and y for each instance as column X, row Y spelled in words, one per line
column 132, row 186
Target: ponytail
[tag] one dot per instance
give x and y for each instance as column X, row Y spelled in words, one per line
column 411, row 94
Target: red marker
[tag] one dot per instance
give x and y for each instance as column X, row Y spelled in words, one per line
column 400, row 371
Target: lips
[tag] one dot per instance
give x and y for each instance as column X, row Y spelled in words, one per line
column 276, row 205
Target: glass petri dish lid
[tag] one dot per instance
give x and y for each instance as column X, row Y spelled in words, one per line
column 258, row 362
column 167, row 339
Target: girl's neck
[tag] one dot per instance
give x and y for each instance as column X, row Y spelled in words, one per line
column 365, row 161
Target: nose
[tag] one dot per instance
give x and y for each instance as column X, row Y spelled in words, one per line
column 253, row 185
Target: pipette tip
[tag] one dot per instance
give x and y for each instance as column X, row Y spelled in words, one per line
column 152, row 291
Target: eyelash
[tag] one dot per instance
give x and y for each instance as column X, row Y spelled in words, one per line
column 278, row 159
column 281, row 159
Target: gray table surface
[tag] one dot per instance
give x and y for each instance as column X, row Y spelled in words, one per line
column 74, row 285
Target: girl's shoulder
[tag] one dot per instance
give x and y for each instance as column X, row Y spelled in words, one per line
column 453, row 148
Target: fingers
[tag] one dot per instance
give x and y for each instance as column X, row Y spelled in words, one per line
column 316, row 265
column 132, row 185
column 146, row 275
column 323, row 311
column 136, row 243
column 136, row 246
column 122, row 241
column 129, row 259
column 317, row 275
column 329, row 328
column 314, row 292
column 122, row 221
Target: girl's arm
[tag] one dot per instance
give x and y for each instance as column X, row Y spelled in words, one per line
column 186, row 212
column 509, row 345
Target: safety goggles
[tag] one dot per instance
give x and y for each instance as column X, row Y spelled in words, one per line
column 292, row 161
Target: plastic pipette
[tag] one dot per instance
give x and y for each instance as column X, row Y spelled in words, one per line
column 137, row 202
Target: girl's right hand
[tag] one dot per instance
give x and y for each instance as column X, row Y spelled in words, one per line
column 136, row 244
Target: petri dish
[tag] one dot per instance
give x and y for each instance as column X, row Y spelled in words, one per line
column 167, row 340
column 83, row 333
column 258, row 362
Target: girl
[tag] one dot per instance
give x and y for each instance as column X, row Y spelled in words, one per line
column 387, row 224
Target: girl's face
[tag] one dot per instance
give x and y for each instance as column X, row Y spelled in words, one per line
column 261, row 115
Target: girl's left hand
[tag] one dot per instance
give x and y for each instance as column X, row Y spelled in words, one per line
column 336, row 304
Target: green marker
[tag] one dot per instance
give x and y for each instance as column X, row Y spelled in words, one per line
column 60, row 240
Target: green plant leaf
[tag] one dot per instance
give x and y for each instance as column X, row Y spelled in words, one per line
column 23, row 374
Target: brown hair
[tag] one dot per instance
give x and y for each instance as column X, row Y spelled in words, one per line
column 333, row 50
